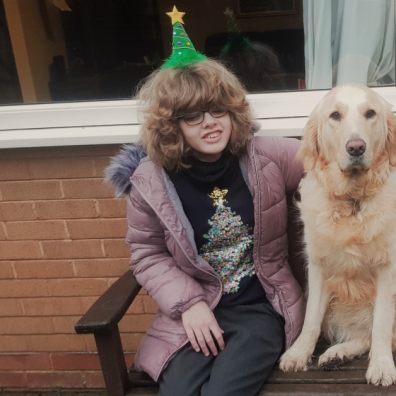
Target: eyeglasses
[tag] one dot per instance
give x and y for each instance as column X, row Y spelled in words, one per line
column 197, row 117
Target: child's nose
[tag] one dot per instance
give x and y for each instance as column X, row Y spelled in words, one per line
column 208, row 119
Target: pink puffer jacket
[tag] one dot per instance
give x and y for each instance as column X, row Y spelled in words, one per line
column 166, row 263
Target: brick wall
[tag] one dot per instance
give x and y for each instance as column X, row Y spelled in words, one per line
column 61, row 245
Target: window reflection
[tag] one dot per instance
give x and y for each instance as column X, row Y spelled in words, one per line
column 100, row 49
column 72, row 50
column 9, row 84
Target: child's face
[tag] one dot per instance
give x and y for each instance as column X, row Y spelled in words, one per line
column 207, row 138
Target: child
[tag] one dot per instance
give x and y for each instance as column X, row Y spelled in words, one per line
column 207, row 218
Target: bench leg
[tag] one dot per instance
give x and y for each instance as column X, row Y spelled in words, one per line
column 112, row 361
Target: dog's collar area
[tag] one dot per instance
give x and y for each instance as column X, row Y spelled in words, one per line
column 355, row 203
column 352, row 205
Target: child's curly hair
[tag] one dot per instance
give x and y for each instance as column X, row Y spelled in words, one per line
column 169, row 92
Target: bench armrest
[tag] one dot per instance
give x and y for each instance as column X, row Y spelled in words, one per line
column 108, row 310
column 102, row 320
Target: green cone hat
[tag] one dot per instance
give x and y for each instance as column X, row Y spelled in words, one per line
column 183, row 50
column 236, row 42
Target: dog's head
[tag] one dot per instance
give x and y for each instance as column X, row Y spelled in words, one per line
column 353, row 128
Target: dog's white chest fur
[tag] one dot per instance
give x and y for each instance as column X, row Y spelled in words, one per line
column 349, row 238
column 348, row 206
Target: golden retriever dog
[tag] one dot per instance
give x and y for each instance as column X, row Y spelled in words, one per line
column 348, row 207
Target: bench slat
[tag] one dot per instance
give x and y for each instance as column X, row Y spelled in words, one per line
column 301, row 390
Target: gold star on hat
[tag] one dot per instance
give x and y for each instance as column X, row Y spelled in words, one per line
column 183, row 52
column 176, row 15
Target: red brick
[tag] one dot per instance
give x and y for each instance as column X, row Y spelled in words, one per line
column 27, row 190
column 13, row 343
column 101, row 163
column 149, row 304
column 81, row 361
column 116, row 248
column 136, row 323
column 86, row 188
column 25, row 361
column 101, row 267
column 98, row 228
column 66, row 209
column 131, row 341
column 76, row 287
column 55, row 343
column 10, row 307
column 6, row 270
column 90, row 343
column 12, row 169
column 26, row 325
column 137, row 306
column 65, row 324
column 24, row 230
column 64, row 379
column 20, row 250
column 60, row 168
column 60, row 152
column 110, row 281
column 112, row 208
column 23, row 288
column 54, row 306
column 2, row 232
column 13, row 380
column 75, row 361
column 72, row 249
column 17, row 211
column 43, row 269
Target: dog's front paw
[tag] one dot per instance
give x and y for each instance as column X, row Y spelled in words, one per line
column 333, row 358
column 294, row 360
column 381, row 371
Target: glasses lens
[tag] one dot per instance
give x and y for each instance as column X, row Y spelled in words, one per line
column 197, row 117
column 193, row 118
column 217, row 113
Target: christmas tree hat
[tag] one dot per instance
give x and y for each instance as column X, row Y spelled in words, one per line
column 183, row 51
column 236, row 42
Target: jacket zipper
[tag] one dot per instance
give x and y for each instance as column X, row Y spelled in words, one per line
column 218, row 297
column 275, row 291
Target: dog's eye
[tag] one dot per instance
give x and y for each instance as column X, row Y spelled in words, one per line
column 335, row 115
column 370, row 113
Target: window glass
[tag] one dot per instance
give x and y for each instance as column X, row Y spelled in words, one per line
column 79, row 50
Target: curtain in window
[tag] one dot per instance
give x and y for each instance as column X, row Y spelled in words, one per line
column 349, row 41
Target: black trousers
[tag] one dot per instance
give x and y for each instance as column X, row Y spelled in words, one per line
column 254, row 337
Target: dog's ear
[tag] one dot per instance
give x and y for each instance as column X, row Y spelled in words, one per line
column 309, row 149
column 391, row 138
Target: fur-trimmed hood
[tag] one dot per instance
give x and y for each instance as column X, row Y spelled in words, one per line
column 122, row 167
column 124, row 164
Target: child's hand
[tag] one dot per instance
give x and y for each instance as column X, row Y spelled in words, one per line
column 202, row 329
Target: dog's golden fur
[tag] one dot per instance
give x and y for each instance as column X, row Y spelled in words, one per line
column 348, row 206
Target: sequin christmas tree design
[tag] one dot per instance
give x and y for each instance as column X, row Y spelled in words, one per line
column 229, row 244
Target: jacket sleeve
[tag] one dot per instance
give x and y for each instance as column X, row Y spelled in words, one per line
column 291, row 168
column 152, row 264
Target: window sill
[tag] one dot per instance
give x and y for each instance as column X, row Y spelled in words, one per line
column 117, row 122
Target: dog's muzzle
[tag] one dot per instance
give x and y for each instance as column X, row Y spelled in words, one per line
column 356, row 149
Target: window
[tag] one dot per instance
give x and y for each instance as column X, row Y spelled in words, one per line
column 69, row 68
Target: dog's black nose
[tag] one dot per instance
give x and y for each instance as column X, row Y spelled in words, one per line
column 355, row 147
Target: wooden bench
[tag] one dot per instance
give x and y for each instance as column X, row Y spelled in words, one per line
column 103, row 317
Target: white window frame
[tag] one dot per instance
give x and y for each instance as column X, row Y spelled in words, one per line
column 116, row 122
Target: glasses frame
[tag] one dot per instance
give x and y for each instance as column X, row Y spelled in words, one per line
column 212, row 112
